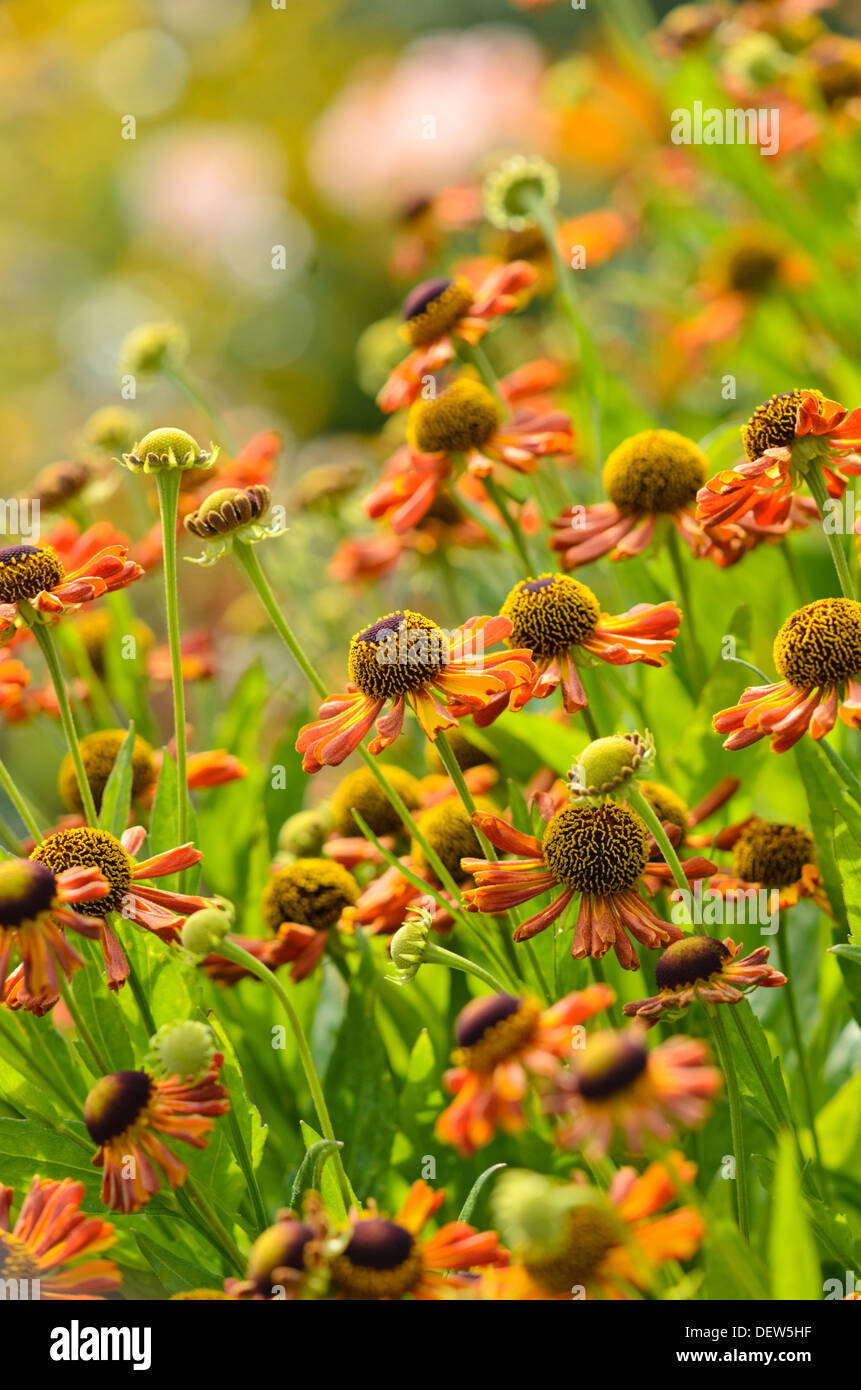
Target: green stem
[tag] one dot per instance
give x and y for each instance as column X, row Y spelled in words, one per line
column 103, row 1066
column 241, row 1148
column 231, row 950
column 42, row 633
column 783, row 951
column 817, row 485
column 698, row 669
column 8, row 784
column 735, row 1118
column 512, row 526
column 794, row 572
column 168, row 484
column 190, row 1195
column 646, row 813
column 845, row 773
column 439, row 955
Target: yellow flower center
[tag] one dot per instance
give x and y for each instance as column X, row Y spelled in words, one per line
column 381, row 1261
column 100, row 751
column 596, row 849
column 550, row 614
column 772, row 424
column 310, row 892
column 588, row 1235
column 361, row 791
column 655, row 471
column 691, row 959
column 115, row 1103
column 26, row 890
column 772, row 853
column 98, row 849
column 26, row 570
column 397, row 655
column 820, row 643
column 492, row 1028
column 16, row 1260
column 461, row 418
column 434, row 307
column 449, row 831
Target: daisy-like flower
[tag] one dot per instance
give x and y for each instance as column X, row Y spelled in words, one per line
column 597, row 851
column 701, row 967
column 617, row 1088
column 282, row 1261
column 129, row 894
column 771, row 855
column 571, row 1237
column 301, row 904
column 14, row 679
column 386, row 1259
column 57, row 579
column 53, row 1245
column 439, row 311
column 786, row 437
column 651, row 480
column 466, row 419
column 560, row 621
column 36, row 905
column 405, row 658
column 127, row 1112
column 505, row 1043
column 817, row 653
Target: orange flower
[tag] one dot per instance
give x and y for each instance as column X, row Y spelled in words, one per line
column 774, row 856
column 699, row 967
column 52, row 1242
column 59, row 577
column 36, row 906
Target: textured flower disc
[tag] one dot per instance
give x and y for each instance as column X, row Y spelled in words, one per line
column 311, row 893
column 610, row 1064
column 820, row 643
column 655, row 471
column 26, row 570
column 689, row 960
column 26, row 890
column 16, row 1260
column 771, row 853
column 434, row 307
column 450, row 832
column 115, row 1103
column 97, row 849
column 596, row 849
column 457, row 420
column 397, row 655
column 772, row 424
column 492, row 1028
column 380, row 1261
column 589, row 1234
column 360, row 791
column 100, row 751
column 550, row 614
column 228, row 509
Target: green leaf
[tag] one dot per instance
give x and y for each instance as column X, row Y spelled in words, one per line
column 27, row 1147
column 117, row 795
column 476, row 1190
column 310, row 1172
column 847, row 951
column 175, row 1274
column 792, row 1256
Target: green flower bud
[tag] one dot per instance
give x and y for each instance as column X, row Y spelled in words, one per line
column 203, row 931
column 409, row 945
column 152, row 348
column 608, row 763
column 511, row 191
column 181, row 1049
column 302, row 834
column 168, row 448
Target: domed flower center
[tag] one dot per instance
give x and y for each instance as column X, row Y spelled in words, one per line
column 589, row 1234
column 751, row 269
column 550, row 614
column 310, row 892
column 282, row 1246
column 773, row 854
column 26, row 570
column 656, row 471
column 360, row 791
column 381, row 1261
column 97, row 849
column 461, row 418
column 820, row 643
column 100, row 752
column 16, row 1261
column 494, row 1027
column 772, row 424
column 609, row 1064
column 666, row 804
column 228, row 509
column 115, row 1103
column 691, row 959
column 434, row 307
column 26, row 890
column 596, row 849
column 59, row 483
column 397, row 655
column 449, row 831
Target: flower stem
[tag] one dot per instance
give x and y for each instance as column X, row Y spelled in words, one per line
column 783, row 952
column 102, row 1065
column 42, row 633
column 698, row 670
column 8, row 784
column 231, row 950
column 816, row 483
column 168, row 483
column 190, row 1195
column 178, row 378
column 438, row 955
column 735, row 1118
column 646, row 813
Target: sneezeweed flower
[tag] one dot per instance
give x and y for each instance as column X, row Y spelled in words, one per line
column 54, row 1245
column 817, row 653
column 156, row 909
column 152, row 348
column 54, row 583
column 168, row 448
column 112, row 429
column 105, row 639
column 680, row 820
column 599, row 851
column 286, row 1261
column 771, row 855
column 506, row 1044
column 406, row 659
column 232, row 514
column 127, row 1112
column 701, row 967
column 439, row 311
column 37, row 906
column 511, row 191
column 385, row 1259
column 99, row 751
column 561, row 622
column 616, row 1088
column 449, row 832
column 360, row 791
column 651, row 480
column 571, row 1240
column 59, row 484
column 787, row 437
